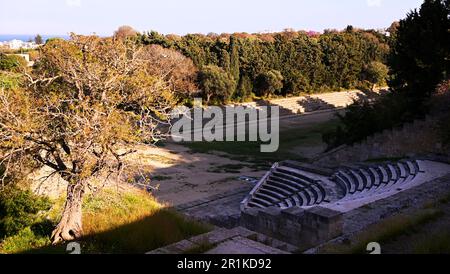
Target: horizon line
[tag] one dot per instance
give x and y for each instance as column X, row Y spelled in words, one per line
column 204, row 33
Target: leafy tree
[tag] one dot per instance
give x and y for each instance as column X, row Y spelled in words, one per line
column 307, row 62
column 224, row 60
column 298, row 84
column 216, row 83
column 420, row 58
column 269, row 83
column 124, row 32
column 441, row 106
column 245, row 88
column 88, row 100
column 393, row 29
column 38, row 39
column 419, row 61
column 349, row 28
column 376, row 73
column 172, row 66
column 234, row 58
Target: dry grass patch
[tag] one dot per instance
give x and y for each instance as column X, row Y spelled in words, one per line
column 387, row 230
column 127, row 221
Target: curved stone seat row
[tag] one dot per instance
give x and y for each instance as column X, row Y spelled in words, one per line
column 287, row 185
column 360, row 181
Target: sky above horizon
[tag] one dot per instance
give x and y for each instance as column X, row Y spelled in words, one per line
column 196, row 16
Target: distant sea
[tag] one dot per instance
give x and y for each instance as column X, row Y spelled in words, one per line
column 27, row 37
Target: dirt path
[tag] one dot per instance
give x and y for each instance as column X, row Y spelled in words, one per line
column 185, row 177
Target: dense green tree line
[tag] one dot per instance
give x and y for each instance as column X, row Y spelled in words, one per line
column 304, row 62
column 419, row 61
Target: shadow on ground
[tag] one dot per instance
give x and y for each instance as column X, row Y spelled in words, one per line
column 160, row 229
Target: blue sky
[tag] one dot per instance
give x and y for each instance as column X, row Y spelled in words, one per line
column 196, row 16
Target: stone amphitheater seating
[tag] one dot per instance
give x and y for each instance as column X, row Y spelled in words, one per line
column 290, row 184
column 304, row 104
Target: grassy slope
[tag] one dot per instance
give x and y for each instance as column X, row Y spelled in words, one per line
column 127, row 222
column 426, row 231
column 290, row 138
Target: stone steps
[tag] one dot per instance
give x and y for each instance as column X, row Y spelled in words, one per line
column 302, row 177
column 238, row 240
column 292, row 184
column 309, row 103
column 286, row 187
column 379, row 179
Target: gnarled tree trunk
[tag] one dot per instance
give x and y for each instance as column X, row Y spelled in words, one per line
column 70, row 226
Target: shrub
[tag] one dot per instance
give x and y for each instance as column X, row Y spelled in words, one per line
column 24, row 240
column 9, row 80
column 444, row 129
column 19, row 209
column 11, row 62
column 363, row 119
column 419, row 59
column 440, row 107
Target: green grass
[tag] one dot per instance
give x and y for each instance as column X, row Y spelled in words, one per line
column 129, row 222
column 10, row 80
column 244, row 151
column 25, row 240
column 387, row 230
column 438, row 243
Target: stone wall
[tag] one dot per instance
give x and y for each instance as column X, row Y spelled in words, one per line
column 413, row 140
column 297, row 226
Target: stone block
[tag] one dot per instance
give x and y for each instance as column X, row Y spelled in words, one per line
column 294, row 214
column 321, row 224
column 215, row 236
column 161, row 250
column 323, row 214
column 270, row 212
column 250, row 212
column 180, row 247
column 242, row 231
